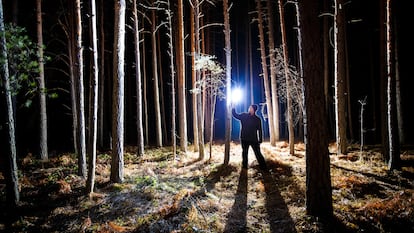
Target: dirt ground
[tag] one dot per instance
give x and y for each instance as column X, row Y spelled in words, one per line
column 161, row 193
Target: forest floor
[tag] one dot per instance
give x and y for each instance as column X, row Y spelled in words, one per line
column 185, row 194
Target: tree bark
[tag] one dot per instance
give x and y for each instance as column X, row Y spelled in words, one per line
column 265, row 74
column 117, row 164
column 42, row 87
column 340, row 77
column 227, row 50
column 158, row 127
column 393, row 140
column 80, row 94
column 181, row 87
column 12, row 178
column 93, row 102
column 318, row 180
column 288, row 81
column 140, row 130
column 273, row 76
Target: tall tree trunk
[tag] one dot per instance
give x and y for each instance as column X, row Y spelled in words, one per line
column 42, row 87
column 300, row 68
column 68, row 26
column 194, row 80
column 117, row 164
column 145, row 96
column 93, row 102
column 161, row 91
column 140, row 131
column 172, row 70
column 383, row 80
column 288, row 81
column 340, row 77
column 80, row 93
column 101, row 109
column 158, row 127
column 12, row 178
column 398, row 97
column 200, row 117
column 318, row 179
column 393, row 139
column 273, row 76
column 227, row 50
column 182, row 100
column 265, row 73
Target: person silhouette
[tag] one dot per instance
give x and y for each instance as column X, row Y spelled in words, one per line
column 251, row 134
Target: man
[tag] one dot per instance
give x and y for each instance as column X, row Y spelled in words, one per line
column 250, row 134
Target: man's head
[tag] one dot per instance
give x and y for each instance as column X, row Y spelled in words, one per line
column 252, row 109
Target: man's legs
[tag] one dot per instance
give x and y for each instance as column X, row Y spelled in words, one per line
column 245, row 148
column 259, row 156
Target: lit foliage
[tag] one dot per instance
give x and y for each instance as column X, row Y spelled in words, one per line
column 23, row 63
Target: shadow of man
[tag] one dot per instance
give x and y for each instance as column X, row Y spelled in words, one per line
column 277, row 210
column 237, row 217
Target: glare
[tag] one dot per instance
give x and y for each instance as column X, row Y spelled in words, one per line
column 236, row 95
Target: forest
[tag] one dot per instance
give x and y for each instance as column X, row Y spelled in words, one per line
column 116, row 116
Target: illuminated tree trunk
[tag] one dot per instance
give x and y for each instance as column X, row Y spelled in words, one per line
column 140, row 130
column 42, row 89
column 117, row 163
column 318, row 179
column 288, row 81
column 193, row 80
column 172, row 71
column 273, row 76
column 181, row 87
column 11, row 176
column 228, row 79
column 394, row 161
column 265, row 73
column 80, row 94
column 340, row 77
column 198, row 94
column 93, row 102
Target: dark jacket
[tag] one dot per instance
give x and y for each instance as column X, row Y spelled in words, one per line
column 251, row 126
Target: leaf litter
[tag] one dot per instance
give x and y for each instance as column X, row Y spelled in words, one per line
column 160, row 194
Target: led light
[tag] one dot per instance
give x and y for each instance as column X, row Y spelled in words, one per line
column 236, row 95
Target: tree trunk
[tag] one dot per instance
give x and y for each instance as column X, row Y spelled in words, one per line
column 12, row 178
column 288, row 81
column 140, row 131
column 399, row 104
column 273, row 76
column 101, row 109
column 172, row 70
column 340, row 77
column 93, row 102
column 227, row 50
column 200, row 117
column 193, row 80
column 265, row 74
column 117, row 164
column 318, row 180
column 158, row 127
column 182, row 100
column 393, row 143
column 80, row 94
column 42, row 89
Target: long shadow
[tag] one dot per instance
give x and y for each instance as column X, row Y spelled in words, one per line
column 277, row 210
column 386, row 180
column 237, row 217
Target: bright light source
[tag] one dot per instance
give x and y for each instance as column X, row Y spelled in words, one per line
column 236, row 95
